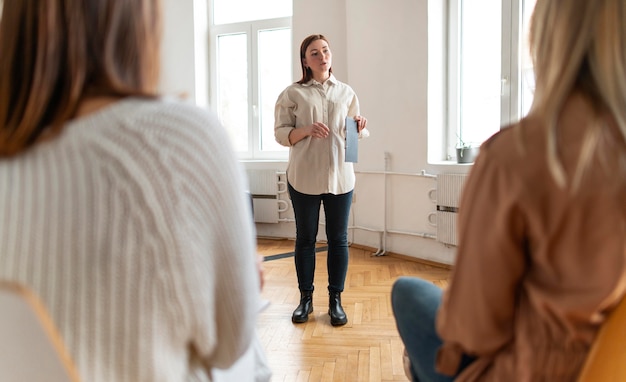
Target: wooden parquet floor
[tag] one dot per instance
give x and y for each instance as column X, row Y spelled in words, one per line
column 367, row 348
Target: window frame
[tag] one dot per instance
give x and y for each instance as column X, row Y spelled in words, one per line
column 251, row 29
column 510, row 76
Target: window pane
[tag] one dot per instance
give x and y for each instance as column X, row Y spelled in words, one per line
column 480, row 83
column 234, row 11
column 527, row 76
column 274, row 76
column 232, row 83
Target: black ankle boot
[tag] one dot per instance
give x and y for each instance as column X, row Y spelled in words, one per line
column 335, row 310
column 301, row 314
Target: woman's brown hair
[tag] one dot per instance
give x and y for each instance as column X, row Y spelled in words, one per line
column 307, row 74
column 55, row 53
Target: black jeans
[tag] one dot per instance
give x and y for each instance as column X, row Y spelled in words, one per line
column 306, row 209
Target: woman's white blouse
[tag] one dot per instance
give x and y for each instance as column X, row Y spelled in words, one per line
column 317, row 166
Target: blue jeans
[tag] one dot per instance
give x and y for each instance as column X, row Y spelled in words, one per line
column 306, row 209
column 415, row 303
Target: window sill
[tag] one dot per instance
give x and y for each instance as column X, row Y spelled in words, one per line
column 449, row 163
column 264, row 161
column 449, row 166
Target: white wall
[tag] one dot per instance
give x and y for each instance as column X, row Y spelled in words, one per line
column 380, row 48
column 184, row 51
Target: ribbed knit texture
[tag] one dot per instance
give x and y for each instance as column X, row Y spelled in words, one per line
column 134, row 229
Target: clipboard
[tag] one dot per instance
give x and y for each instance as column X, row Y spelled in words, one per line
column 352, row 140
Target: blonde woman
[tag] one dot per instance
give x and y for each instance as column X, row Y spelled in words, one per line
column 542, row 254
column 123, row 211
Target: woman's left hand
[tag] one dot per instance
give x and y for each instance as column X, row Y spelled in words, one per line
column 361, row 122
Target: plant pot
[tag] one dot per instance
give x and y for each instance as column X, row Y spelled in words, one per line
column 466, row 154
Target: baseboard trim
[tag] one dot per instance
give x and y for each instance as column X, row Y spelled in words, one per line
column 404, row 257
column 374, row 250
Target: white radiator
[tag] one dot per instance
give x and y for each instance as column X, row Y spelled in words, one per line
column 449, row 188
column 263, row 186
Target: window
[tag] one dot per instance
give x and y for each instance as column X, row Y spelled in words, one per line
column 250, row 44
column 527, row 73
column 490, row 78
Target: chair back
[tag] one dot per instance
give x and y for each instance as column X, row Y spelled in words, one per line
column 31, row 348
column 606, row 361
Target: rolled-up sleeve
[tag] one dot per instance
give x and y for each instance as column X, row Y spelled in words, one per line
column 284, row 118
column 353, row 111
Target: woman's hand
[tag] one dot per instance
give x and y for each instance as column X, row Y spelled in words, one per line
column 361, row 122
column 318, row 130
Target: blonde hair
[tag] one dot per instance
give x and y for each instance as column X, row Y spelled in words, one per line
column 55, row 53
column 578, row 45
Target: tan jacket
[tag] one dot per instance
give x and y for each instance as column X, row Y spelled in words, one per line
column 538, row 267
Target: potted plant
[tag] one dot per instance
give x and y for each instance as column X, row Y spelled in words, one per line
column 466, row 152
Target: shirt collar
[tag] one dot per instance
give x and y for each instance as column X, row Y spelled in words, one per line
column 331, row 80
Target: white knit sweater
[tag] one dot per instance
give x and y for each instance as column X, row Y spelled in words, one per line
column 134, row 229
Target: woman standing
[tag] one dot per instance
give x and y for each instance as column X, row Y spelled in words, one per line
column 123, row 211
column 525, row 302
column 310, row 119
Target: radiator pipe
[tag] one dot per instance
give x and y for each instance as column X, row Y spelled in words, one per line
column 382, row 246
